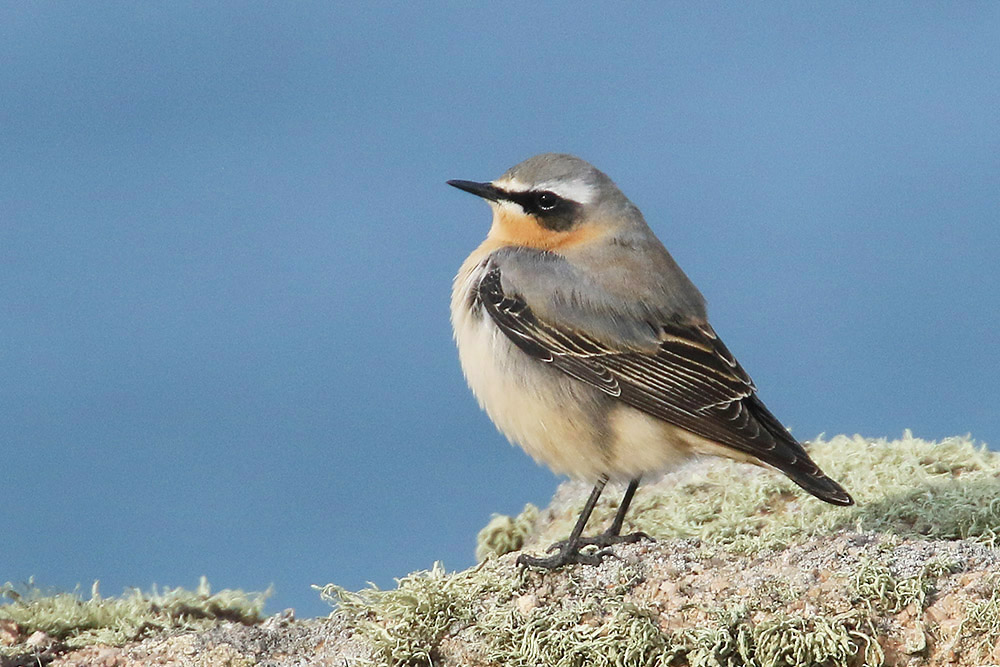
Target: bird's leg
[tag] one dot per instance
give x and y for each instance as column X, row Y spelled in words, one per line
column 569, row 550
column 613, row 534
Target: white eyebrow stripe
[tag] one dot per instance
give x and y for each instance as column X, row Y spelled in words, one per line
column 577, row 190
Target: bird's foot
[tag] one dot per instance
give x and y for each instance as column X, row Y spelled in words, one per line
column 565, row 557
column 605, row 540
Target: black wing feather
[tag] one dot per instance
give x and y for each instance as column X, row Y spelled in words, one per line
column 692, row 381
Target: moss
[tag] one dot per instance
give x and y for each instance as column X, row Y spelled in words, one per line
column 76, row 622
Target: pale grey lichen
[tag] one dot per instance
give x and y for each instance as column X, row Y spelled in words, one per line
column 113, row 621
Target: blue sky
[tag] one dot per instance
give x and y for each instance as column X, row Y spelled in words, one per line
column 226, row 250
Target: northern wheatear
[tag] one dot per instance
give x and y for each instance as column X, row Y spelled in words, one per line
column 588, row 346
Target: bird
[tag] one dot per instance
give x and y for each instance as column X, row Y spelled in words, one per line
column 587, row 345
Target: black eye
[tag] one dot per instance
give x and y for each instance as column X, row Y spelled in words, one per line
column 546, row 200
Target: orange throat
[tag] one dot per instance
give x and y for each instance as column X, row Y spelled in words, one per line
column 517, row 229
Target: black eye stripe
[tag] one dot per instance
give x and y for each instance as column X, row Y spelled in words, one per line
column 553, row 212
column 538, row 202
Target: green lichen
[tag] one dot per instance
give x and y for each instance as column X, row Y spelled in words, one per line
column 595, row 633
column 815, row 640
column 113, row 621
column 876, row 586
column 733, row 641
column 982, row 621
column 592, row 625
column 504, row 534
column 908, row 487
column 406, row 624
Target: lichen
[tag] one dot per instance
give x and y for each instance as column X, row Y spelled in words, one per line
column 504, row 534
column 113, row 621
column 981, row 623
column 406, row 624
column 908, row 487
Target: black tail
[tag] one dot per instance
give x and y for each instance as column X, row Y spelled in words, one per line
column 791, row 458
column 808, row 475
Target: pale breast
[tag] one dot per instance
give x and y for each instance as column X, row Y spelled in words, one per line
column 570, row 426
column 554, row 418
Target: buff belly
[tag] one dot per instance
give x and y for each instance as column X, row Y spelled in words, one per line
column 566, row 424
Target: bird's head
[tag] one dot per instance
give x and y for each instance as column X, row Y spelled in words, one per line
column 553, row 201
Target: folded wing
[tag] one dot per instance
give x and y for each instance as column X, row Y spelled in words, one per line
column 691, row 381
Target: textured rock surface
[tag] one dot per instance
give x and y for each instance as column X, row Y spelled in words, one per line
column 279, row 640
column 853, row 598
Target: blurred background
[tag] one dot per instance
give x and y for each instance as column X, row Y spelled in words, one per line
column 226, row 252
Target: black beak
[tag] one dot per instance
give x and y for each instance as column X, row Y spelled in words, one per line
column 484, row 190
